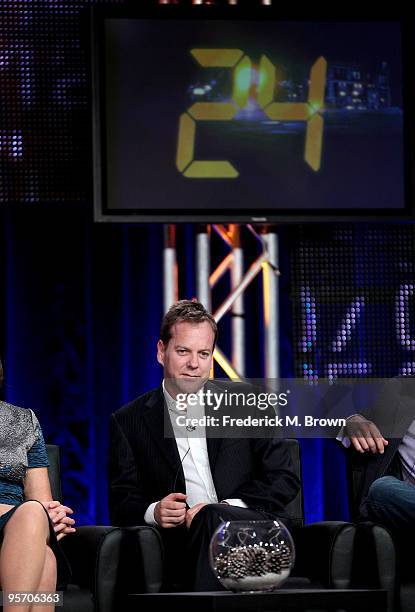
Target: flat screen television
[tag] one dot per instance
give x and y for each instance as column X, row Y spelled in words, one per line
column 207, row 115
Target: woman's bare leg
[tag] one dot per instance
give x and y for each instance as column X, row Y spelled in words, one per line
column 47, row 582
column 23, row 553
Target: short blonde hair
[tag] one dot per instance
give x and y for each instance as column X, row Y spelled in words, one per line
column 189, row 311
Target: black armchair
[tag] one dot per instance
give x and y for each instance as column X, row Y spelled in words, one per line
column 93, row 553
column 323, row 550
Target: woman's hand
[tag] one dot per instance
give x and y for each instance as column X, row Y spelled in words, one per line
column 58, row 513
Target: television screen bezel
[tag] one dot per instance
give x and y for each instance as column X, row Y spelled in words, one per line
column 164, row 12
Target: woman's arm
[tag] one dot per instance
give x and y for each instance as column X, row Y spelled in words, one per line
column 37, row 486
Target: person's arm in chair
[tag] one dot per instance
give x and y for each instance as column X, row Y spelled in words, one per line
column 363, row 435
column 37, row 486
column 384, row 412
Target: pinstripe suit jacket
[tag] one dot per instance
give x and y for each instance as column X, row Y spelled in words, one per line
column 144, row 465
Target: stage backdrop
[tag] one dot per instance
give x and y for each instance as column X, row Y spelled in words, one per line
column 81, row 303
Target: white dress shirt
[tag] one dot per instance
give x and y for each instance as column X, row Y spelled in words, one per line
column 194, row 457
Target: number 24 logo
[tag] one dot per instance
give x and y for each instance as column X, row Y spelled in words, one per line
column 225, row 111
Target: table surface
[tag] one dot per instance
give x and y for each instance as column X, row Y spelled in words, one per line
column 291, row 599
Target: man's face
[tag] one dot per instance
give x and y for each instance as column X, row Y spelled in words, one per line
column 187, row 357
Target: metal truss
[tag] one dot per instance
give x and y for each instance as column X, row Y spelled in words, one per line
column 266, row 264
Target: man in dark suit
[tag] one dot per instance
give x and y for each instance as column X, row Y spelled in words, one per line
column 383, row 456
column 186, row 485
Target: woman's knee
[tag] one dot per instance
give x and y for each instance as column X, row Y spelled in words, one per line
column 30, row 515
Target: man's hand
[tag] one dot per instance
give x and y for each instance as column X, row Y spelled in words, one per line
column 171, row 510
column 364, row 435
column 190, row 514
column 62, row 523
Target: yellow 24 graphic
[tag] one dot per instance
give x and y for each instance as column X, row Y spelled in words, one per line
column 225, row 111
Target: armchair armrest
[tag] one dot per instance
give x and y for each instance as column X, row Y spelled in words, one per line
column 324, row 553
column 94, row 555
column 141, row 563
column 375, row 560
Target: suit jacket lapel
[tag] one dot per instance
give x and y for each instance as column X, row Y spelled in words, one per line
column 159, row 425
